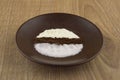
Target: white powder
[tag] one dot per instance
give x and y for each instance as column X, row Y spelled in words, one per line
column 55, row 50
column 57, row 33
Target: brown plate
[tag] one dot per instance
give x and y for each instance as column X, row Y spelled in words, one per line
column 90, row 34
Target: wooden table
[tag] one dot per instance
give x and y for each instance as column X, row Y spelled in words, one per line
column 104, row 13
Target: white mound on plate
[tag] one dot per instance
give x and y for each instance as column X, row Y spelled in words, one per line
column 58, row 33
column 55, row 50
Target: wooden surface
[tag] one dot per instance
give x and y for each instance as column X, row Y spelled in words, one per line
column 104, row 13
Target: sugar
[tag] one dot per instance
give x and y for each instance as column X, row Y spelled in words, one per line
column 58, row 51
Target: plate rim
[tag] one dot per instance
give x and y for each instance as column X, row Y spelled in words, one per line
column 54, row 64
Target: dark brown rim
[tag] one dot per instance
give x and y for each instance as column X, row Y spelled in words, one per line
column 47, row 63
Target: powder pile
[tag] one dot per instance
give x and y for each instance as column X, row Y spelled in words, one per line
column 58, row 33
column 54, row 50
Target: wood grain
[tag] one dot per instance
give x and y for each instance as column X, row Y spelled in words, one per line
column 104, row 13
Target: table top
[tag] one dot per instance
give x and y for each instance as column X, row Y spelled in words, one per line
column 104, row 13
